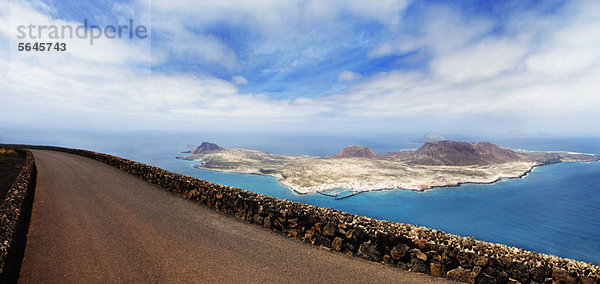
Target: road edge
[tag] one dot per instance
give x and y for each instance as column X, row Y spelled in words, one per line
column 15, row 215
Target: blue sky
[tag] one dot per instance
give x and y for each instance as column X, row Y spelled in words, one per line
column 503, row 67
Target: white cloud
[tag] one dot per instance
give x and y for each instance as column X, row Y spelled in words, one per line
column 347, row 76
column 97, row 89
column 387, row 11
column 181, row 43
column 239, row 80
column 544, row 74
column 485, row 59
column 570, row 48
column 274, row 15
column 289, row 29
column 440, row 30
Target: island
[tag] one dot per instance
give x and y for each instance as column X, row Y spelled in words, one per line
column 359, row 169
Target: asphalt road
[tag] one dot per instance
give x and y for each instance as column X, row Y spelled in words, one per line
column 93, row 223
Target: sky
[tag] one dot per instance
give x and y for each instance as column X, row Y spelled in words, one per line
column 329, row 67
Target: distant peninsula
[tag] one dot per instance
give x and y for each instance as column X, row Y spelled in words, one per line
column 359, row 169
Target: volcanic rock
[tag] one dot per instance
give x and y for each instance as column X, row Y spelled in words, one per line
column 206, row 147
column 461, row 275
column 356, row 152
column 452, row 153
column 337, row 244
column 399, row 251
column 562, row 276
column 369, row 251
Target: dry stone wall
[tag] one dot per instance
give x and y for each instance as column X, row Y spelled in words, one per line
column 404, row 246
column 15, row 212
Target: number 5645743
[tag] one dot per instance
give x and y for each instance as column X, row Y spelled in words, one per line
column 42, row 46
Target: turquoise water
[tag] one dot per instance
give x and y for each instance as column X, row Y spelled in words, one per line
column 555, row 209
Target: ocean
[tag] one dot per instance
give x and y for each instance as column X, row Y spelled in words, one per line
column 555, row 209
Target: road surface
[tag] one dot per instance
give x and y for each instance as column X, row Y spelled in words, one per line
column 93, row 223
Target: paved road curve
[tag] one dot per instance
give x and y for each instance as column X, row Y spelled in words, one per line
column 94, row 223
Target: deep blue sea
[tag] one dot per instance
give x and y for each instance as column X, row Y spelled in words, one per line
column 555, row 209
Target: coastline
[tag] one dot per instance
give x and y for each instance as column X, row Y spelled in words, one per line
column 492, row 182
column 335, row 186
column 355, row 174
column 524, row 175
column 358, row 169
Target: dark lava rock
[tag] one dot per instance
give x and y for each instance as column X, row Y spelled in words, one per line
column 562, row 277
column 369, row 251
column 419, row 254
column 502, row 277
column 461, row 275
column 329, row 229
column 267, row 222
column 417, row 265
column 465, row 259
column 518, row 271
column 388, row 259
column 421, row 244
column 322, row 240
column 539, row 274
column 485, row 279
column 399, row 251
column 402, row 266
column 258, row 219
column 437, row 269
column 586, row 280
column 495, row 263
column 338, row 244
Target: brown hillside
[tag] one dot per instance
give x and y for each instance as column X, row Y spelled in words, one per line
column 206, row 147
column 452, row 153
column 356, row 152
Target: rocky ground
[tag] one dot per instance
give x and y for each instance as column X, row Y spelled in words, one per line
column 10, row 165
column 435, row 164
